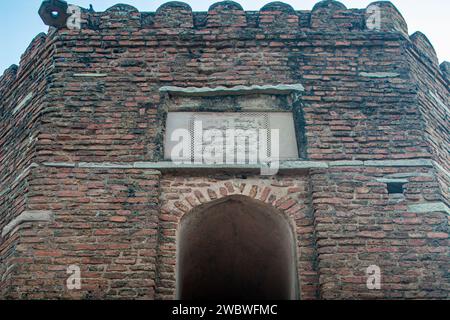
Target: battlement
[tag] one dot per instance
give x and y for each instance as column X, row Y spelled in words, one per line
column 326, row 15
column 379, row 19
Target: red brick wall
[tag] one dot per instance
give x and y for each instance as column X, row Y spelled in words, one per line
column 359, row 224
column 105, row 222
column 96, row 99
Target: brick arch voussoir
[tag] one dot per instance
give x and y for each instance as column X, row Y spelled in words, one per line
column 285, row 203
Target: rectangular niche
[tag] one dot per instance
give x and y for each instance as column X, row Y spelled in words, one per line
column 208, row 115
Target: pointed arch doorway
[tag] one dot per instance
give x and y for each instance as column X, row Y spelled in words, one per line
column 236, row 248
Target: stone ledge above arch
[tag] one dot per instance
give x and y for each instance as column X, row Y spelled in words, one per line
column 164, row 166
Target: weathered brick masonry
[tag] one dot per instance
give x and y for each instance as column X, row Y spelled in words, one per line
column 83, row 181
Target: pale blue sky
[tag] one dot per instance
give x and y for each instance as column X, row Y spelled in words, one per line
column 20, row 22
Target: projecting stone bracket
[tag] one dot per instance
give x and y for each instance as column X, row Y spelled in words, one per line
column 54, row 13
column 27, row 216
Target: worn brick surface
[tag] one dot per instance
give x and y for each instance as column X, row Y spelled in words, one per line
column 92, row 95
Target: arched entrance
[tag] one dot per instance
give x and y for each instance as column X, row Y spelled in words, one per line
column 236, row 248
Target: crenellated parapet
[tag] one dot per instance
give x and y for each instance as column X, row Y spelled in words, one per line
column 121, row 16
column 425, row 47
column 384, row 16
column 226, row 14
column 278, row 15
column 326, row 15
column 26, row 70
column 380, row 19
column 333, row 15
column 174, row 14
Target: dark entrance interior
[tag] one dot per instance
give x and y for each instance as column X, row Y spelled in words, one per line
column 236, row 248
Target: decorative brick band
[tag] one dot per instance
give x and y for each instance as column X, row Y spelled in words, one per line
column 27, row 216
column 326, row 15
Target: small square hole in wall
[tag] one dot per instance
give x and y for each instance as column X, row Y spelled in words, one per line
column 395, row 187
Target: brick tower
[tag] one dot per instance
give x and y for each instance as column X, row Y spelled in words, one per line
column 87, row 187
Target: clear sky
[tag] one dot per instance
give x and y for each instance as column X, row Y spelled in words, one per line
column 20, row 22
